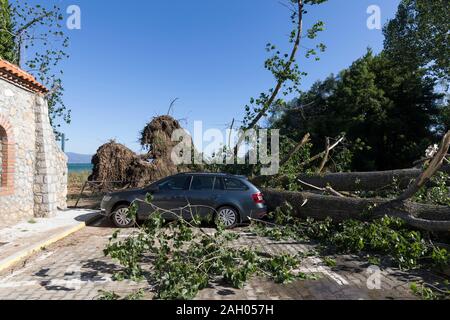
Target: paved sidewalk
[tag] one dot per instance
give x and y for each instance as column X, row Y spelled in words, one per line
column 25, row 238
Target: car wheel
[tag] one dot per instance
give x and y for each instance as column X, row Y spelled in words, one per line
column 120, row 217
column 228, row 216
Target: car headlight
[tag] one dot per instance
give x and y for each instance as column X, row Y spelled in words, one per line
column 106, row 198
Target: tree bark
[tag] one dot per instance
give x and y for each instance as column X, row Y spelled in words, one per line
column 325, row 157
column 421, row 216
column 323, row 153
column 304, row 141
column 356, row 181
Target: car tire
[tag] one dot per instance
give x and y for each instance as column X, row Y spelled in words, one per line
column 229, row 217
column 120, row 219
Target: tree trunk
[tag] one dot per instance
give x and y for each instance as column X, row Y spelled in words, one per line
column 422, row 216
column 355, row 181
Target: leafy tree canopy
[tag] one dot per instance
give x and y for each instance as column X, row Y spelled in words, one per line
column 387, row 112
column 7, row 45
column 32, row 37
column 386, row 104
column 419, row 36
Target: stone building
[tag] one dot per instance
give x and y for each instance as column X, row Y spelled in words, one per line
column 33, row 169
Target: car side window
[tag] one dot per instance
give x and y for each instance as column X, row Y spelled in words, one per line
column 176, row 183
column 234, row 184
column 202, row 183
column 218, row 185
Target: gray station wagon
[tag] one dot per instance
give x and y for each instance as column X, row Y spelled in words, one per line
column 229, row 198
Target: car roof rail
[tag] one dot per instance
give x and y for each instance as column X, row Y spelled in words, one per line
column 239, row 176
column 215, row 173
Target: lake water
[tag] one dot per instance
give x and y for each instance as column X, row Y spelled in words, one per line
column 80, row 167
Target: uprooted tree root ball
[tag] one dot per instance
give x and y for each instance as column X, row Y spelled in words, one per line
column 112, row 162
column 156, row 137
column 116, row 164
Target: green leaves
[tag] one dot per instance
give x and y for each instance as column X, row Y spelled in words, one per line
column 386, row 236
column 418, row 36
column 423, row 292
column 186, row 260
column 280, row 268
column 111, row 295
column 287, row 227
column 438, row 193
column 389, row 114
column 24, row 28
column 7, row 44
column 329, row 262
column 440, row 257
column 315, row 29
column 108, row 296
column 283, row 66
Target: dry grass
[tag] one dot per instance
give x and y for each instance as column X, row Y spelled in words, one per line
column 77, row 179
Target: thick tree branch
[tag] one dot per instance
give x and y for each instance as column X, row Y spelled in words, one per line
column 326, row 189
column 364, row 181
column 288, row 157
column 421, row 216
column 433, row 167
column 325, row 157
column 323, row 153
column 33, row 22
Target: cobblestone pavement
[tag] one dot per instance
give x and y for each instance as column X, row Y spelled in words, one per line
column 75, row 268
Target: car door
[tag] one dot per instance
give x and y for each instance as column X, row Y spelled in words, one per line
column 170, row 195
column 201, row 196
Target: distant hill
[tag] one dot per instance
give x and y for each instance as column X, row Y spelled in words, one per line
column 78, row 158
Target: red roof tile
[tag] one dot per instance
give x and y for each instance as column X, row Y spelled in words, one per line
column 13, row 73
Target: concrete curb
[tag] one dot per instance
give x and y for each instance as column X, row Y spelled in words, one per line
column 28, row 251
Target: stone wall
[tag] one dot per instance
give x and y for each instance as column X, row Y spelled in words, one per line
column 16, row 106
column 50, row 167
column 40, row 167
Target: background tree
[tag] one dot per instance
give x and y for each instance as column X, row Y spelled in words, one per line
column 418, row 36
column 390, row 106
column 444, row 118
column 32, row 37
column 7, row 45
column 386, row 111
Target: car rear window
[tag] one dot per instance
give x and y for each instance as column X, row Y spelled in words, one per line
column 202, row 183
column 234, row 184
column 176, row 183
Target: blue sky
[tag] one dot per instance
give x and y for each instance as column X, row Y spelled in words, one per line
column 130, row 59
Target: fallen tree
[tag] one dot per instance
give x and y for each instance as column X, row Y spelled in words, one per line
column 426, row 217
column 357, row 181
column 320, row 207
column 366, row 181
